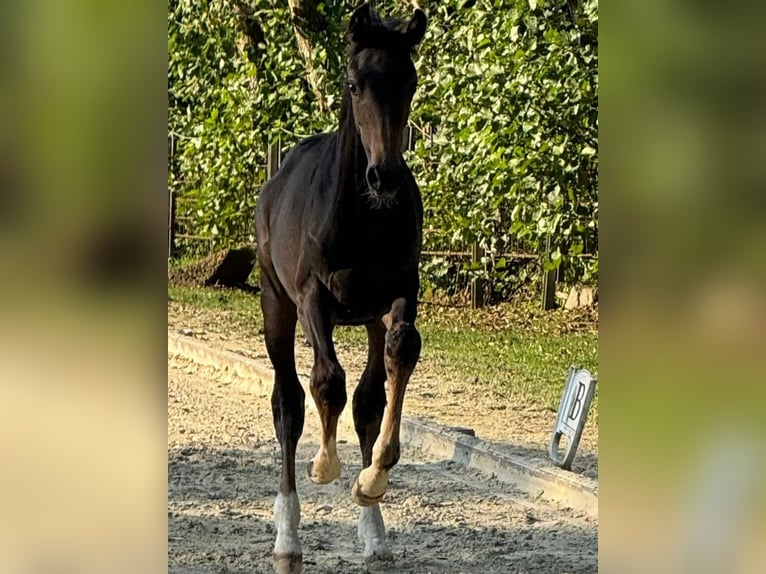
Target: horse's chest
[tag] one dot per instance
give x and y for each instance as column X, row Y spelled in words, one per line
column 389, row 259
column 367, row 288
column 388, row 243
column 377, row 264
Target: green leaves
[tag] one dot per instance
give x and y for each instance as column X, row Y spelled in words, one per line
column 509, row 88
column 526, row 84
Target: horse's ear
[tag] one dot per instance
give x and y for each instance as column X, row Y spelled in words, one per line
column 416, row 29
column 360, row 22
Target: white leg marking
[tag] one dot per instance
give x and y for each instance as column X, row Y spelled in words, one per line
column 287, row 516
column 372, row 531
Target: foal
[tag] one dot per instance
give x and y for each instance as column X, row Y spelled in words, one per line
column 339, row 232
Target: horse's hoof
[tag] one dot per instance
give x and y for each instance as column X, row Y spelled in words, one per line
column 288, row 563
column 380, row 556
column 329, row 473
column 363, row 499
column 370, row 486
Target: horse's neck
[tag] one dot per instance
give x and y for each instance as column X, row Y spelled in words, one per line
column 351, row 158
column 341, row 228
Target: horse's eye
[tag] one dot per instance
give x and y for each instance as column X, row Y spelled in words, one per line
column 352, row 88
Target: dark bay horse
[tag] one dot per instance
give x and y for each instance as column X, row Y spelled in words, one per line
column 339, row 232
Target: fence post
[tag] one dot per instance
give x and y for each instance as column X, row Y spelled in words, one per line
column 171, row 198
column 171, row 222
column 477, row 283
column 549, row 281
column 409, row 137
column 272, row 161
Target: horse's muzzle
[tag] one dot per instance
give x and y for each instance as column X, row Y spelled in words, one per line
column 385, row 177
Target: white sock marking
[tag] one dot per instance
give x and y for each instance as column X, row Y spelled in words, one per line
column 372, row 531
column 287, row 517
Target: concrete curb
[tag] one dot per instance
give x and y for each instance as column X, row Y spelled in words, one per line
column 538, row 480
column 252, row 376
column 548, row 482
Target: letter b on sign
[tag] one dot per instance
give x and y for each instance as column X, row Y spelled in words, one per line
column 573, row 410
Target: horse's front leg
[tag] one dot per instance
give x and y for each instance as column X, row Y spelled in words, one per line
column 328, row 381
column 402, row 350
column 369, row 405
column 287, row 403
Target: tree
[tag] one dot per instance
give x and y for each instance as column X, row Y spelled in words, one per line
column 308, row 20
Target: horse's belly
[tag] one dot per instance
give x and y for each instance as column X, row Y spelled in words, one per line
column 349, row 317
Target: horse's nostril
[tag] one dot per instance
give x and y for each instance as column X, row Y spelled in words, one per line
column 373, row 177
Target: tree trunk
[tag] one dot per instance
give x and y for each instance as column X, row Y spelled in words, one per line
column 306, row 18
column 252, row 33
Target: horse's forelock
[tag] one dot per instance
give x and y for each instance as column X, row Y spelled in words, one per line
column 389, row 34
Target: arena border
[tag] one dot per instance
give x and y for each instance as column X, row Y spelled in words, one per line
column 547, row 482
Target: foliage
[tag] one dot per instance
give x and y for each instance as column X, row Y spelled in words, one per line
column 509, row 89
column 213, row 147
column 514, row 103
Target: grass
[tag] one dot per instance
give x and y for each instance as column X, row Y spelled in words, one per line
column 514, row 347
column 241, row 307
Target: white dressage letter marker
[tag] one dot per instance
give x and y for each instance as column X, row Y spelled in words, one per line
column 573, row 411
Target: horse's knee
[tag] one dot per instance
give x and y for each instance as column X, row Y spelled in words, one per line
column 328, row 386
column 403, row 344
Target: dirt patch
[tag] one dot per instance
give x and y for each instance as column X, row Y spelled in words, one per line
column 223, row 467
column 228, row 268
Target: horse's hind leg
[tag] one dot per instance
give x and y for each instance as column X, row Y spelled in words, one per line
column 328, row 382
column 402, row 350
column 369, row 403
column 287, row 404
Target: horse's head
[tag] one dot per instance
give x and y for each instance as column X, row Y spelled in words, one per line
column 381, row 80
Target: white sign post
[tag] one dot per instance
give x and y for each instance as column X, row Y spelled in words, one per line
column 573, row 410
